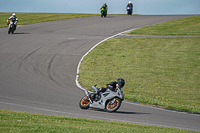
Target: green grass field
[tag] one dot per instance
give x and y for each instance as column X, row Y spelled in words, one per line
column 158, row 71
column 30, row 18
column 19, row 122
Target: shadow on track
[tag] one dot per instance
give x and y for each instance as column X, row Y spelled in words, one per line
column 125, row 112
column 118, row 112
column 21, row 33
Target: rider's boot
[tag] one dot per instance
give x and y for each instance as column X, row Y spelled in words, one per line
column 96, row 94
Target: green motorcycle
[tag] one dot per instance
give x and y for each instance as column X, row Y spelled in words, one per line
column 103, row 12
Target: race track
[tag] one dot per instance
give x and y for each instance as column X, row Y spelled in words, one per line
column 38, row 66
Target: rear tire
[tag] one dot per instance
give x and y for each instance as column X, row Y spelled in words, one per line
column 112, row 107
column 84, row 103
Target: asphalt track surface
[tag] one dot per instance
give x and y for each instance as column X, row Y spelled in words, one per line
column 38, row 66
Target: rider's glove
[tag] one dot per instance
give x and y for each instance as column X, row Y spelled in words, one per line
column 8, row 23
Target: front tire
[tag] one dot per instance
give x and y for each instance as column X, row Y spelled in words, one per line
column 9, row 30
column 84, row 103
column 112, row 106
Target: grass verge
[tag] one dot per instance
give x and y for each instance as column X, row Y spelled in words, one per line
column 12, row 121
column 184, row 26
column 30, row 18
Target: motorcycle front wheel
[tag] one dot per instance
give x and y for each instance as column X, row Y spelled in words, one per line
column 12, row 31
column 112, row 106
column 9, row 30
column 84, row 103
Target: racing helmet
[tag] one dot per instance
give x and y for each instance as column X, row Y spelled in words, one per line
column 13, row 14
column 121, row 82
column 129, row 2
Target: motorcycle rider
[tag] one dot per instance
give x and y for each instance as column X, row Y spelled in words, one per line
column 105, row 7
column 112, row 86
column 130, row 5
column 14, row 19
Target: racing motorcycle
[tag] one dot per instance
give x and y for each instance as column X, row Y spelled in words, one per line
column 108, row 100
column 129, row 10
column 11, row 27
column 103, row 12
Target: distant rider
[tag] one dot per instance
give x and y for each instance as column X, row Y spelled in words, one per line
column 130, row 5
column 14, row 19
column 105, row 7
column 112, row 86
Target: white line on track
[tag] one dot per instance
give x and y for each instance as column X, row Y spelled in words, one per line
column 77, row 76
column 142, row 105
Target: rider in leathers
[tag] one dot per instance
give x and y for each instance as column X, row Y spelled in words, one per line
column 112, row 86
column 14, row 19
column 105, row 7
column 130, row 5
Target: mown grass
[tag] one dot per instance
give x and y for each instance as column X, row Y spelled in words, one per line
column 184, row 26
column 158, row 71
column 30, row 18
column 12, row 121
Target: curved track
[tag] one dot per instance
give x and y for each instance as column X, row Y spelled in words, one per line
column 38, row 68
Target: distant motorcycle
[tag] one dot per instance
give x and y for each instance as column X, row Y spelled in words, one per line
column 129, row 10
column 108, row 100
column 103, row 12
column 11, row 27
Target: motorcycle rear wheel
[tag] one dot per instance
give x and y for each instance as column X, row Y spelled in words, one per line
column 84, row 103
column 112, row 107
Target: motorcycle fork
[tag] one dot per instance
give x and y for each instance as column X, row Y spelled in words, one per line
column 113, row 101
column 87, row 94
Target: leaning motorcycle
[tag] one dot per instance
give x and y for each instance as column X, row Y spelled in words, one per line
column 11, row 27
column 129, row 10
column 108, row 100
column 103, row 12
